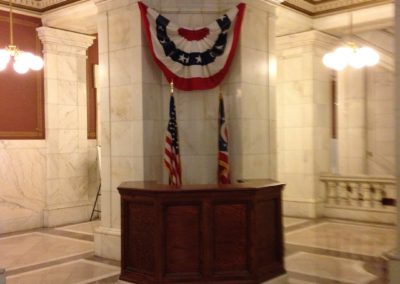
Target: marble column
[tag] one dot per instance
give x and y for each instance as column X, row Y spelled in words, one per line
column 394, row 256
column 304, row 120
column 134, row 104
column 130, row 111
column 250, row 93
column 352, row 127
column 66, row 126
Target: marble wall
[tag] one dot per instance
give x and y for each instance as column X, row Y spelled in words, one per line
column 352, row 132
column 53, row 181
column 366, row 119
column 22, row 184
column 304, row 120
column 380, row 122
column 135, row 97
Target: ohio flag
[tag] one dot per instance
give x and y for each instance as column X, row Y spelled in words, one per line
column 223, row 155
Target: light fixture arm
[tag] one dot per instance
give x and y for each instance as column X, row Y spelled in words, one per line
column 22, row 61
column 11, row 23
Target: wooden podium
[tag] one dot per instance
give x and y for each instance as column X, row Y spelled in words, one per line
column 201, row 233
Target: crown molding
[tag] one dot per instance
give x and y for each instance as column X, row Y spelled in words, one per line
column 323, row 7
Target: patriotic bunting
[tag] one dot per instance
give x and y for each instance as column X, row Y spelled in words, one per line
column 194, row 59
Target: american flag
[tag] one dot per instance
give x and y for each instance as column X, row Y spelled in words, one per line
column 223, row 155
column 172, row 159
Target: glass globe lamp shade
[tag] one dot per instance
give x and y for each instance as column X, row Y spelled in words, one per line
column 356, row 60
column 333, row 61
column 21, row 67
column 36, row 63
column 370, row 56
column 4, row 58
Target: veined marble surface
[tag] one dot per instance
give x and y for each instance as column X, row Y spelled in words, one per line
column 87, row 228
column 21, row 251
column 349, row 238
column 22, row 186
column 79, row 271
column 44, row 257
column 329, row 267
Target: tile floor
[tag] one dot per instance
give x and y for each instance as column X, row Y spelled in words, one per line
column 317, row 251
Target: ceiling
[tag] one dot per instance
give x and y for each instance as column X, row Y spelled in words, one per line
column 323, row 7
column 309, row 7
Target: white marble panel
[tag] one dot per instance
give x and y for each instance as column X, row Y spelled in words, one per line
column 51, row 70
column 53, row 144
column 199, row 169
column 67, row 67
column 115, row 210
column 126, row 103
column 246, row 101
column 198, row 137
column 67, row 117
column 127, row 138
column 249, row 136
column 51, row 91
column 126, row 28
column 68, row 141
column 255, row 166
column 72, row 165
column 126, row 169
column 152, row 101
column 255, row 30
column 254, row 66
column 67, row 190
column 82, row 118
column 51, row 117
column 125, row 66
column 81, row 94
column 82, row 141
column 189, row 105
column 67, row 92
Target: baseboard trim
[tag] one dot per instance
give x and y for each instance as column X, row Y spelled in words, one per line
column 107, row 243
column 68, row 214
column 360, row 215
column 301, row 208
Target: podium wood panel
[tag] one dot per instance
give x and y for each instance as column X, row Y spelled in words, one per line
column 201, row 234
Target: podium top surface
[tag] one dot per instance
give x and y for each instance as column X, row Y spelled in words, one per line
column 152, row 186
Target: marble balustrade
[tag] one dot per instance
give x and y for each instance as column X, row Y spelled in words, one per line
column 349, row 195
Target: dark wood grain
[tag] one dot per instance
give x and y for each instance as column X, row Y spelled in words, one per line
column 201, row 234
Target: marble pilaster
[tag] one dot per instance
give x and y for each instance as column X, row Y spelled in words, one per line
column 66, row 126
column 304, row 120
column 394, row 257
column 352, row 121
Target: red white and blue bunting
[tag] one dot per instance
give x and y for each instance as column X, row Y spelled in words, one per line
column 194, row 59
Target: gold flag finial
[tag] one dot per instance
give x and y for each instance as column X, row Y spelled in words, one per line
column 171, row 86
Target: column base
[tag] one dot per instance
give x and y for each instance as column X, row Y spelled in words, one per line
column 66, row 214
column 283, row 279
column 301, row 208
column 394, row 266
column 2, row 276
column 107, row 243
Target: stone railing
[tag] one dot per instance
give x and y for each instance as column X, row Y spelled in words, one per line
column 361, row 192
